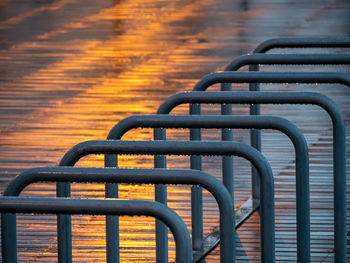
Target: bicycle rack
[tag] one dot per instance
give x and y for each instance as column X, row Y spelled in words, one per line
column 103, row 207
column 279, row 77
column 110, row 175
column 273, row 59
column 197, row 148
column 277, row 98
column 226, row 77
column 305, row 42
column 158, row 121
column 278, row 59
column 240, row 77
column 187, row 148
column 212, row 122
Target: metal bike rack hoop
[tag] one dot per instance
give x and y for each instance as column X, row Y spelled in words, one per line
column 187, row 148
column 321, row 100
column 112, row 175
column 245, row 122
column 102, row 207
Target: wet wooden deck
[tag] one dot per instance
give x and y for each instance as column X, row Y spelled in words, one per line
column 71, row 69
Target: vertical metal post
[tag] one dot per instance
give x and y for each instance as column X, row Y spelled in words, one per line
column 255, row 141
column 227, row 135
column 196, row 191
column 8, row 238
column 161, row 196
column 112, row 222
column 64, row 228
column 339, row 189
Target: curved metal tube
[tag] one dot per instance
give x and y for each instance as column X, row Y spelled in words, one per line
column 288, row 59
column 285, row 59
column 278, row 77
column 303, row 42
column 315, row 59
column 195, row 134
column 329, row 77
column 111, row 191
column 247, row 122
column 339, row 150
column 144, row 176
column 272, row 77
column 103, row 207
column 228, row 122
column 188, row 148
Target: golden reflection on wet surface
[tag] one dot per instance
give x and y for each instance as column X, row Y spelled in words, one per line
column 71, row 69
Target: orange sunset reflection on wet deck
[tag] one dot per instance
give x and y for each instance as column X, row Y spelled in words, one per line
column 88, row 86
column 71, row 69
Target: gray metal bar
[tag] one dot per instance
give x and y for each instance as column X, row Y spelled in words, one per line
column 196, row 193
column 103, row 207
column 181, row 148
column 272, row 77
column 161, row 196
column 288, row 59
column 149, row 176
column 251, row 122
column 303, row 42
